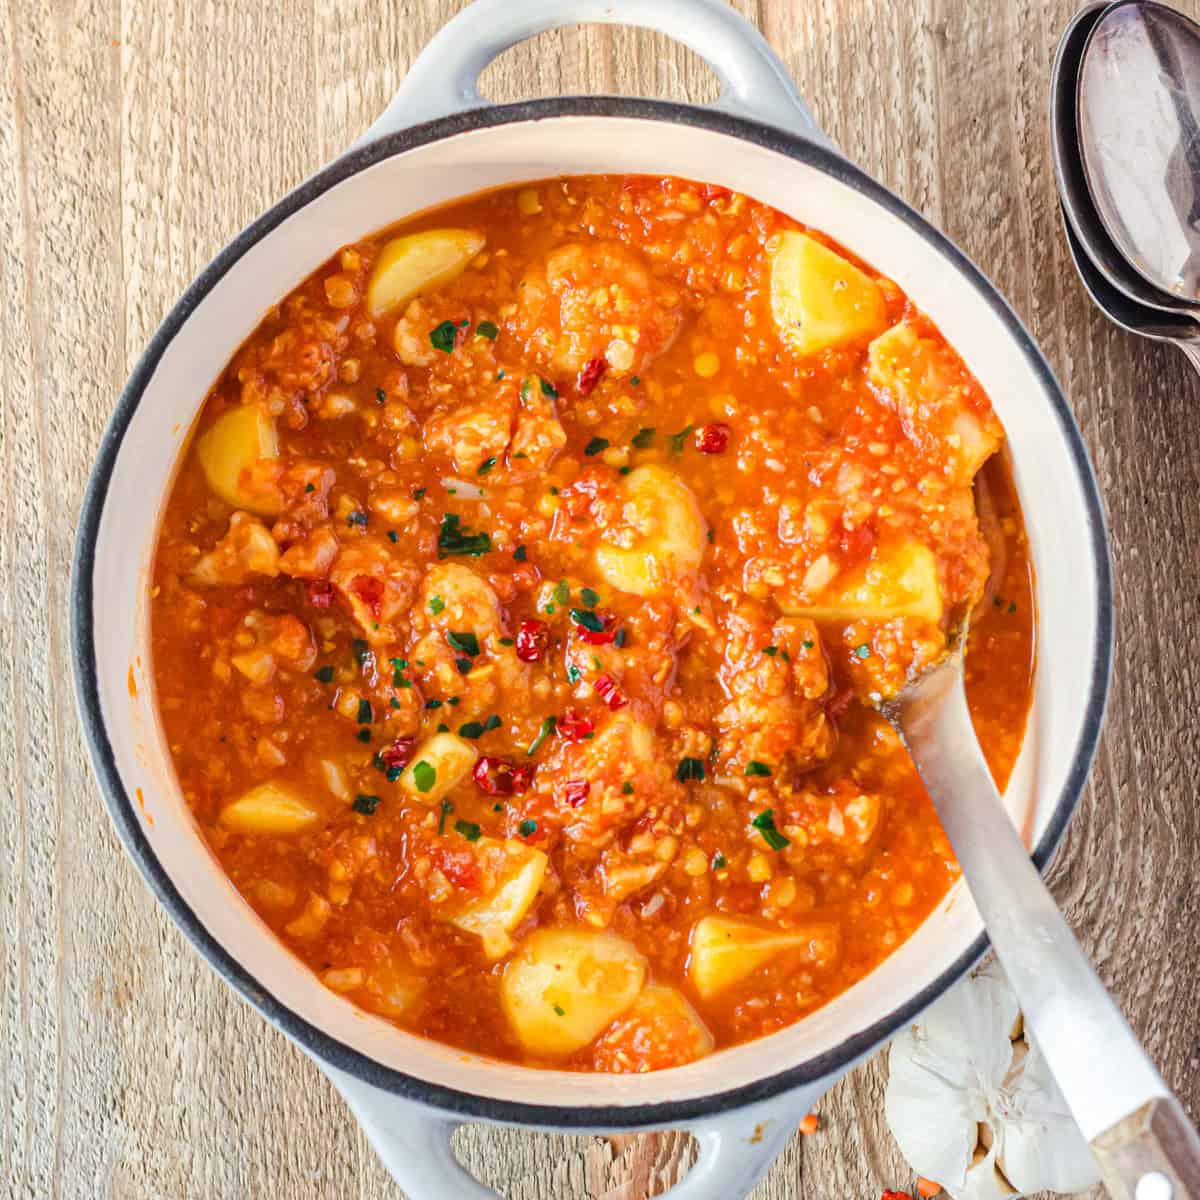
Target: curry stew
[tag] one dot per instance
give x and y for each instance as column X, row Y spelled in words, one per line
column 519, row 603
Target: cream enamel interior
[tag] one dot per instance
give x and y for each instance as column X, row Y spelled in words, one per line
column 1047, row 478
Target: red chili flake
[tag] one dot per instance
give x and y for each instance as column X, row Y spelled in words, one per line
column 714, row 191
column 398, row 753
column 856, row 544
column 575, row 791
column 499, row 777
column 533, row 640
column 890, row 1195
column 598, row 637
column 370, row 591
column 460, row 867
column 320, row 593
column 592, row 373
column 712, row 438
column 840, row 702
column 573, row 726
column 607, row 690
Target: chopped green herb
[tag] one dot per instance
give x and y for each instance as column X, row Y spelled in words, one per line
column 588, row 620
column 424, row 776
column 358, row 518
column 548, row 389
column 446, row 806
column 573, row 673
column 394, row 702
column 644, row 438
column 554, row 491
column 595, row 446
column 1012, row 608
column 497, row 808
column 493, row 722
column 809, row 645
column 436, row 604
column 718, row 862
column 393, row 536
column 468, row 643
column 418, row 493
column 527, row 828
column 453, row 699
column 486, row 466
column 308, row 487
column 621, row 637
column 443, row 727
column 548, row 726
column 624, row 470
column 634, row 380
column 562, row 592
column 365, row 804
column 765, row 824
column 590, row 599
column 380, row 396
column 488, row 329
column 468, row 829
column 471, row 729
column 365, row 716
column 507, row 642
column 771, row 650
column 431, row 704
column 627, row 788
column 398, row 677
column 324, row 674
column 453, row 539
column 863, row 651
column 712, row 535
column 464, row 665
column 677, row 440
column 499, row 375
column 997, row 601
column 689, row 768
column 364, row 735
column 558, row 1008
column 442, row 337
column 596, row 662
column 754, row 767
column 520, row 553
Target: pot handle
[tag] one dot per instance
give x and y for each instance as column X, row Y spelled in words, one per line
column 444, row 78
column 413, row 1143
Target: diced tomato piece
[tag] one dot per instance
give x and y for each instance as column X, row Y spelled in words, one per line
column 533, row 640
column 712, row 438
column 575, row 792
column 857, row 544
column 608, row 691
column 398, row 753
column 591, row 374
column 320, row 593
column 573, row 726
column 499, row 777
column 369, row 590
column 460, row 867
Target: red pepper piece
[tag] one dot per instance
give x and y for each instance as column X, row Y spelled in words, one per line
column 573, row 726
column 533, row 640
column 607, row 690
column 499, row 777
column 320, row 593
column 575, row 791
column 599, row 637
column 398, row 753
column 712, row 438
column 590, row 375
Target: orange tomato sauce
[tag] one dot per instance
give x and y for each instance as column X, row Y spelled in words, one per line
column 641, row 501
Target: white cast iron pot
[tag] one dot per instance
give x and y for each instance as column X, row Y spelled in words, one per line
column 438, row 140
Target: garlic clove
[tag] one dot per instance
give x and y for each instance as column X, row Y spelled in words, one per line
column 985, row 1180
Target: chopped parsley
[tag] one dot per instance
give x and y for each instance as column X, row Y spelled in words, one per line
column 625, row 471
column 497, row 808
column 324, row 674
column 562, row 592
column 433, row 704
column 1012, row 608
column 499, row 375
column 549, row 724
column 809, row 645
column 573, row 673
column 436, row 604
column 365, row 716
column 520, row 554
column 308, row 487
column 507, row 642
column 364, row 735
column 424, row 776
column 464, row 665
column 527, row 828
column 621, row 637
column 548, row 389
column 627, row 788
column 380, row 396
column 677, row 440
column 689, row 768
column 453, row 699
column 418, row 493
column 863, row 651
column 393, row 536
column 469, row 829
column 445, row 806
column 358, row 517
column 588, row 620
column 468, row 643
column 398, row 678
column 718, row 862
column 453, row 539
column 442, row 337
column 643, row 438
column 365, row 804
column 765, row 824
column 394, row 702
column 471, row 729
column 443, row 727
column 486, row 466
column 559, row 1010
column 595, row 446
column 493, row 722
column 590, row 598
column 488, row 329
column 634, row 380
column 771, row 650
column 754, row 767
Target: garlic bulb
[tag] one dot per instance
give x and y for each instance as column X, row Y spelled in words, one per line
column 972, row 1104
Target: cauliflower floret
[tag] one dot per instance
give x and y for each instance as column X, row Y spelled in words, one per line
column 472, row 433
column 377, row 588
column 539, row 434
column 246, row 549
column 593, row 301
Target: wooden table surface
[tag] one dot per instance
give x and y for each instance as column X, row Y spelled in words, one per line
column 136, row 137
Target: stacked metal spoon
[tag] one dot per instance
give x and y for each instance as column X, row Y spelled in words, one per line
column 1125, row 137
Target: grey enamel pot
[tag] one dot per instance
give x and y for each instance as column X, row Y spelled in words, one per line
column 438, row 140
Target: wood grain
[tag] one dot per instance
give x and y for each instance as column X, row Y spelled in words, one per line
column 136, row 136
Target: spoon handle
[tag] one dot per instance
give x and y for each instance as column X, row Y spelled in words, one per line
column 1141, row 1138
column 1191, row 351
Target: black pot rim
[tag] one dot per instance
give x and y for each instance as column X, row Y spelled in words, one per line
column 123, row 812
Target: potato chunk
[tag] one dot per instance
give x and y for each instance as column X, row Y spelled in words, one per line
column 495, row 915
column 664, row 536
column 228, row 451
column 820, row 300
column 725, row 951
column 268, row 808
column 437, row 765
column 660, row 1030
column 943, row 410
column 419, row 262
column 564, row 986
column 899, row 581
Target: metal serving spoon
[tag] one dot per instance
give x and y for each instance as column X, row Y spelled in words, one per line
column 1143, row 1142
column 1096, row 114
